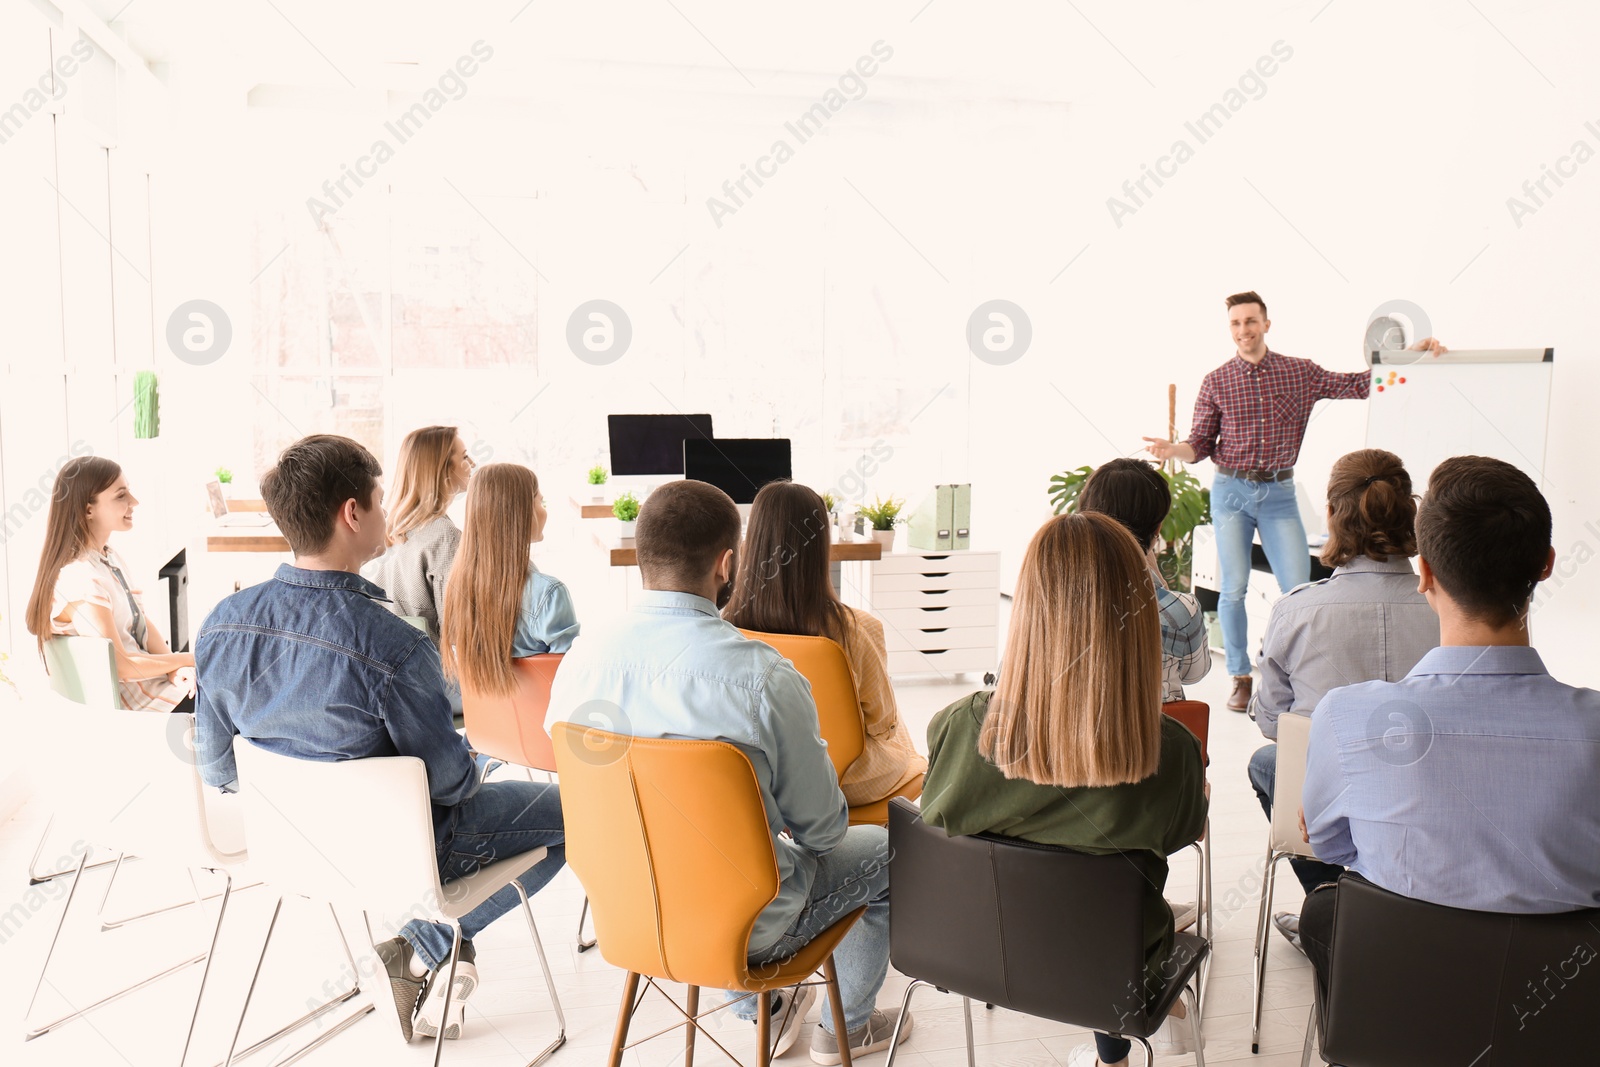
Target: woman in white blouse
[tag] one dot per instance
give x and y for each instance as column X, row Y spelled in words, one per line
column 82, row 588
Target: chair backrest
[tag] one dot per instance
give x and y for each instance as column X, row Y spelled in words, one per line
column 1294, row 736
column 134, row 787
column 1042, row 930
column 1196, row 715
column 84, row 670
column 511, row 727
column 358, row 831
column 822, row 662
column 670, row 841
column 1421, row 985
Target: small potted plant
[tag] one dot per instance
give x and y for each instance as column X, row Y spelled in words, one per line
column 883, row 514
column 598, row 476
column 225, row 476
column 626, row 509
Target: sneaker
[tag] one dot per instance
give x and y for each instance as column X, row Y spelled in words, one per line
column 1084, row 1056
column 789, row 1008
column 1289, row 926
column 1183, row 915
column 395, row 955
column 871, row 1036
column 430, row 1016
column 1174, row 1037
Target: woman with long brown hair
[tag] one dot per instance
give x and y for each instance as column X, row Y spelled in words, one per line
column 783, row 587
column 434, row 466
column 1071, row 747
column 82, row 590
column 498, row 605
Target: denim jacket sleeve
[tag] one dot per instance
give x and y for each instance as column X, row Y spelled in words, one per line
column 552, row 623
column 213, row 743
column 417, row 714
column 803, row 781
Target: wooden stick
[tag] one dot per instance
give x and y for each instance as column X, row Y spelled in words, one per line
column 1172, row 420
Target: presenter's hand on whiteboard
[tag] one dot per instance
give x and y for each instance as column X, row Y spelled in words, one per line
column 1164, row 450
column 1429, row 344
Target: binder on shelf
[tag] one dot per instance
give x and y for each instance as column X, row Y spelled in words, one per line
column 961, row 515
column 931, row 524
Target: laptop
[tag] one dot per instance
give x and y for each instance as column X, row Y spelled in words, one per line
column 224, row 517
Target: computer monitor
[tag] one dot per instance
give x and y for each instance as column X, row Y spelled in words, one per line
column 653, row 444
column 739, row 466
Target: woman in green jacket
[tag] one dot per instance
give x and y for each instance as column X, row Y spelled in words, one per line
column 1071, row 748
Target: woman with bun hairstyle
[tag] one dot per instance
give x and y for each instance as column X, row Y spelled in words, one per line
column 82, row 587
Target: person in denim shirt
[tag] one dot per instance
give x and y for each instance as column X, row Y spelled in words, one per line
column 673, row 667
column 310, row 664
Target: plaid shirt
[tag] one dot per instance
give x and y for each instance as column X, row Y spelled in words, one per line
column 1253, row 416
column 1185, row 653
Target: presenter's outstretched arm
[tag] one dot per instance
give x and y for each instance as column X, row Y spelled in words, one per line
column 1164, row 450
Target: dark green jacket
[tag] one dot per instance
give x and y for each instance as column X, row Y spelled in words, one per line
column 966, row 794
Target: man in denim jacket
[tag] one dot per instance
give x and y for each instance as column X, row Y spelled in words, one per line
column 311, row 665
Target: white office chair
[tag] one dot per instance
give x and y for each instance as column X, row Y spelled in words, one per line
column 135, row 786
column 1283, row 841
column 361, row 832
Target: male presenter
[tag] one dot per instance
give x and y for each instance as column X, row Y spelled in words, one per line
column 1249, row 420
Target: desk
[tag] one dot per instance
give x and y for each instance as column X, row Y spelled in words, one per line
column 838, row 552
column 245, row 539
column 246, row 503
column 588, row 510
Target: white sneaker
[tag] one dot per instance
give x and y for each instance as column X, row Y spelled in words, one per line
column 1084, row 1056
column 430, row 1015
column 1174, row 1037
column 789, row 1010
column 1183, row 915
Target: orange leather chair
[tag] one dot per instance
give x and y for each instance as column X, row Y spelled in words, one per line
column 1196, row 715
column 511, row 727
column 670, row 840
column 822, row 662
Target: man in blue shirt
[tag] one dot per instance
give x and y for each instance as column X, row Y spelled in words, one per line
column 1471, row 781
column 309, row 664
column 675, row 669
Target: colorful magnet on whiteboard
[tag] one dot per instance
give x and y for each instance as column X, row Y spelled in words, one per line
column 1402, row 381
column 1377, row 381
column 1380, row 388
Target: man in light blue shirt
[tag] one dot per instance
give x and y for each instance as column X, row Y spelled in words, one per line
column 1471, row 781
column 672, row 668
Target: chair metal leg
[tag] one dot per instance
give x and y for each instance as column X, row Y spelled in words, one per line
column 1211, row 918
column 1149, row 1053
column 691, row 1027
column 549, row 982
column 630, row 989
column 1263, row 930
column 1311, row 1034
column 37, row 877
column 117, row 924
column 65, row 908
column 211, row 954
column 832, row 975
column 1192, row 1001
column 316, row 1013
column 764, row 1029
column 966, row 1015
column 905, row 1006
column 450, row 990
column 584, row 946
column 251, row 992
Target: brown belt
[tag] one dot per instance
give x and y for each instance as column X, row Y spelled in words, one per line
column 1257, row 476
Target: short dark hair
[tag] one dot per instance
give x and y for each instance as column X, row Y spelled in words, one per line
column 1131, row 491
column 1249, row 296
column 683, row 527
column 1484, row 530
column 313, row 479
column 1371, row 509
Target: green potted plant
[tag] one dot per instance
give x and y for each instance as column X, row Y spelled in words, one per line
column 1191, row 507
column 225, row 476
column 883, row 514
column 626, row 509
column 598, row 476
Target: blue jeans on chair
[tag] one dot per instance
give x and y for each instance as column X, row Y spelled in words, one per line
column 853, row 874
column 1238, row 509
column 500, row 820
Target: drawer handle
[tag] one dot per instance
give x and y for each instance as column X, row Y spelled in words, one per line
column 936, row 630
column 936, row 557
column 934, row 651
column 934, row 592
column 944, row 607
column 936, row 574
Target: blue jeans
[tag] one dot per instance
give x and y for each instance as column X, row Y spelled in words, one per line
column 1238, row 509
column 1263, row 778
column 855, row 873
column 500, row 820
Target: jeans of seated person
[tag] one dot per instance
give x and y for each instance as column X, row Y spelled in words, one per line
column 1263, row 776
column 1316, row 931
column 1111, row 1049
column 500, row 820
column 853, row 874
column 1238, row 509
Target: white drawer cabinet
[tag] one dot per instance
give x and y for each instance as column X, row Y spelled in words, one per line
column 940, row 610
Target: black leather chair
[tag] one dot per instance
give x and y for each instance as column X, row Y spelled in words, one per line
column 1414, row 984
column 1041, row 930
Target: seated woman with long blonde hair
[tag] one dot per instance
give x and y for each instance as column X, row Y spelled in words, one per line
column 783, row 587
column 1071, row 747
column 82, row 588
column 498, row 605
